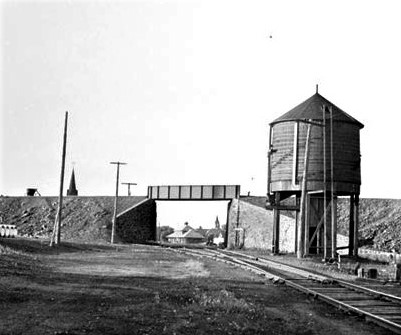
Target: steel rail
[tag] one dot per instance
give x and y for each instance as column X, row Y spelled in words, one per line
column 383, row 295
column 232, row 261
column 284, row 267
column 258, row 265
column 388, row 324
column 343, row 283
column 378, row 319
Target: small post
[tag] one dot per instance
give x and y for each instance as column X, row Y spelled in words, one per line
column 129, row 187
column 57, row 224
column 113, row 227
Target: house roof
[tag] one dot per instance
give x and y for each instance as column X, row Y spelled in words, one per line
column 176, row 234
column 187, row 234
column 312, row 109
column 187, row 227
column 193, row 234
column 202, row 231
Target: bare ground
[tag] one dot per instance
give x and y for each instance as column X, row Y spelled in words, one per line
column 99, row 289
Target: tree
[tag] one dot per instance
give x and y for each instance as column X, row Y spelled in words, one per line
column 210, row 239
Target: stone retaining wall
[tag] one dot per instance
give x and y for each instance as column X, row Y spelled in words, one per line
column 138, row 224
column 254, row 226
column 381, row 256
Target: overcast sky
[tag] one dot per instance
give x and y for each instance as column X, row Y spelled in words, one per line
column 183, row 91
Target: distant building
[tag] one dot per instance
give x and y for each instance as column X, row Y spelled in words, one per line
column 219, row 238
column 217, row 223
column 7, row 230
column 215, row 235
column 187, row 235
column 202, row 231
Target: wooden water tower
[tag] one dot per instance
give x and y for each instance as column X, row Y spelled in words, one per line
column 314, row 156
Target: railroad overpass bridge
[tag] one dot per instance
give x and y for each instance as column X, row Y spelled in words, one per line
column 137, row 224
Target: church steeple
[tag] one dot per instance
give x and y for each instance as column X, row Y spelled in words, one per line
column 217, row 223
column 72, row 190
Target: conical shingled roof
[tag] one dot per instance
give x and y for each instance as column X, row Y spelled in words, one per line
column 311, row 109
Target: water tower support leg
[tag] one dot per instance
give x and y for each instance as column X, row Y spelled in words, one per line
column 228, row 225
column 297, row 202
column 307, row 224
column 334, row 227
column 276, row 225
column 351, row 226
column 356, row 225
column 319, row 233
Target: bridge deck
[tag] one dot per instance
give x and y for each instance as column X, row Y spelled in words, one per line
column 194, row 192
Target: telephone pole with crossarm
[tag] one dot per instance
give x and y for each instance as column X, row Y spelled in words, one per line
column 113, row 227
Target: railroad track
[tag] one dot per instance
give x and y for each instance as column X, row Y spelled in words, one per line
column 375, row 305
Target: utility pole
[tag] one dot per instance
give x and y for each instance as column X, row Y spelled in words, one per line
column 57, row 223
column 113, row 227
column 129, row 187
